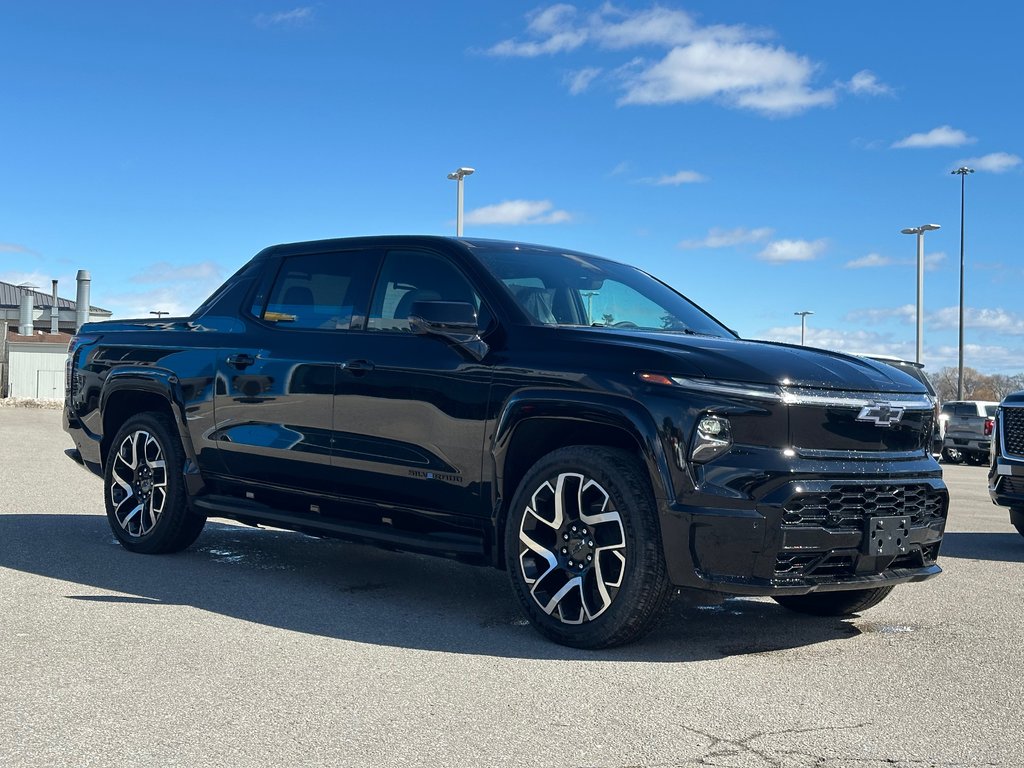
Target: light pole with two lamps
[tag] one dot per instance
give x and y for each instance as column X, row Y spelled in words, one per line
column 458, row 175
column 962, row 172
column 919, row 231
column 803, row 323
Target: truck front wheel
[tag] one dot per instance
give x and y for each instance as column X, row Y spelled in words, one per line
column 144, row 489
column 583, row 548
column 844, row 603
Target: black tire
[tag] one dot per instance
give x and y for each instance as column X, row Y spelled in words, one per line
column 593, row 576
column 144, row 489
column 844, row 603
column 952, row 456
column 1014, row 520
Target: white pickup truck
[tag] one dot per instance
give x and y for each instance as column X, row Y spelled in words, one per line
column 966, row 427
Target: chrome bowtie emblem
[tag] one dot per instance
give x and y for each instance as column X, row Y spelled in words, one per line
column 881, row 414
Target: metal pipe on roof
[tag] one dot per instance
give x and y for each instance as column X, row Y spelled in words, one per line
column 25, row 327
column 82, row 299
column 54, row 325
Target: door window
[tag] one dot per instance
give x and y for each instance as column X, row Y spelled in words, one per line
column 411, row 276
column 327, row 291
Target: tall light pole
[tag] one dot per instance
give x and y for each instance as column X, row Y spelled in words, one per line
column 962, row 172
column 919, row 231
column 457, row 176
column 159, row 313
column 803, row 323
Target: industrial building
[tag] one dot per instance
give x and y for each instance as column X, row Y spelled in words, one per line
column 35, row 329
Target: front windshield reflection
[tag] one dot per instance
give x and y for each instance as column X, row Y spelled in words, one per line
column 555, row 288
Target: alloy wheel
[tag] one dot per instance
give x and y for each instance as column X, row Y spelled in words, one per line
column 572, row 552
column 138, row 483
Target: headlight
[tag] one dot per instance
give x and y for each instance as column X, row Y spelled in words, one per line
column 713, row 437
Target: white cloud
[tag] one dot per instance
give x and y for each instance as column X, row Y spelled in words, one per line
column 995, row 162
column 871, row 260
column 858, row 342
column 554, row 27
column 933, row 261
column 865, row 82
column 175, row 300
column 163, row 272
column 580, row 80
column 620, row 169
column 726, row 238
column 14, row 248
column 727, row 63
column 784, row 251
column 997, row 320
column 675, row 179
column 295, row 16
column 751, row 75
column 905, row 313
column 40, row 281
column 514, row 212
column 943, row 136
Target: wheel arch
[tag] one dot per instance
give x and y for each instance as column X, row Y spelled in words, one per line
column 532, row 425
column 130, row 391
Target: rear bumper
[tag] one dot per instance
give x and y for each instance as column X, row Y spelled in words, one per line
column 967, row 444
column 813, row 528
column 87, row 450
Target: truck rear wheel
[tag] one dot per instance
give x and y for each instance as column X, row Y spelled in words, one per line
column 583, row 548
column 844, row 603
column 144, row 491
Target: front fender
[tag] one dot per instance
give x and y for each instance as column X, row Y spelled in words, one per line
column 610, row 411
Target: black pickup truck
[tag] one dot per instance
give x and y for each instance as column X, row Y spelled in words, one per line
column 1006, row 472
column 568, row 418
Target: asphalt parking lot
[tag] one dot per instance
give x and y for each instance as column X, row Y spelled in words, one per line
column 265, row 648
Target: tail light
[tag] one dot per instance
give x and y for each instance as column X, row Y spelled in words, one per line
column 989, row 424
column 69, row 366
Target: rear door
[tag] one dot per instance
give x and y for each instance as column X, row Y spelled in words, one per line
column 275, row 387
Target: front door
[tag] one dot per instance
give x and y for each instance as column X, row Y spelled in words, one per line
column 410, row 409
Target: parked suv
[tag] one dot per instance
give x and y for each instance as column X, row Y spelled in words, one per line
column 1006, row 476
column 568, row 418
column 966, row 427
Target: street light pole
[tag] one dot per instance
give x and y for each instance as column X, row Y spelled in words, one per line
column 458, row 175
column 962, row 172
column 919, row 231
column 159, row 313
column 803, row 323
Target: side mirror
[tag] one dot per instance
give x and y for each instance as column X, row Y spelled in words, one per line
column 443, row 317
column 452, row 320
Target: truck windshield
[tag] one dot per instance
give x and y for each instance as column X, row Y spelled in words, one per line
column 558, row 288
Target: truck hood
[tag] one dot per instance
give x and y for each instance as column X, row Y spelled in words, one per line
column 762, row 362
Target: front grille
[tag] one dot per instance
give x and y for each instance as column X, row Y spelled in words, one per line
column 847, row 506
column 814, row 564
column 1013, row 431
column 1014, row 485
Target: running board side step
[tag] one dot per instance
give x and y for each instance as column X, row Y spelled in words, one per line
column 461, row 546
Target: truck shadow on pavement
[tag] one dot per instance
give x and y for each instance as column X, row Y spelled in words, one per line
column 361, row 594
column 1005, row 547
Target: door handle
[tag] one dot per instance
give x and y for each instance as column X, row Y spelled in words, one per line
column 240, row 360
column 357, row 366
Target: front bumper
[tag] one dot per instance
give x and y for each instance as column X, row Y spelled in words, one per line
column 760, row 523
column 1006, row 482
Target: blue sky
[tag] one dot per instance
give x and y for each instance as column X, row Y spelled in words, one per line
column 760, row 157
